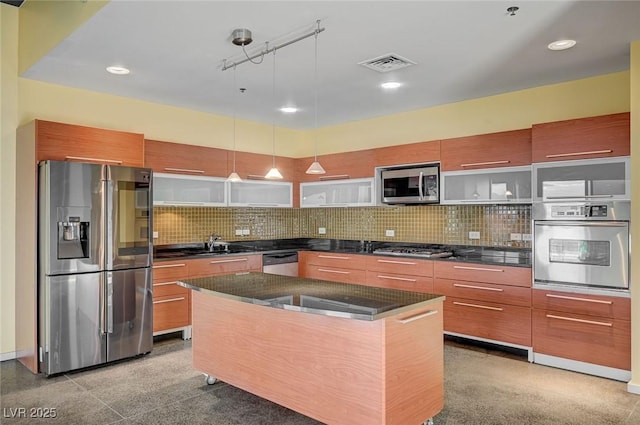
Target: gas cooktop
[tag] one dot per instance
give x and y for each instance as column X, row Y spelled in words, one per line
column 403, row 251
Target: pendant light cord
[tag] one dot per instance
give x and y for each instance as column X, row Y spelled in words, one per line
column 315, row 100
column 235, row 108
column 273, row 95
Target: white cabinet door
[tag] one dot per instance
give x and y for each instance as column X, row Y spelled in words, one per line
column 487, row 186
column 260, row 194
column 601, row 178
column 176, row 189
column 338, row 193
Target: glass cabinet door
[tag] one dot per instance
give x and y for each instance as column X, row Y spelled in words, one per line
column 337, row 193
column 174, row 189
column 260, row 194
column 491, row 185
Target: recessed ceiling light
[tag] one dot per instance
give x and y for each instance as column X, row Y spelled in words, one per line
column 561, row 45
column 118, row 70
column 289, row 110
column 390, row 85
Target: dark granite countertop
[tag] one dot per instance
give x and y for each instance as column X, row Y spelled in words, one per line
column 517, row 257
column 312, row 296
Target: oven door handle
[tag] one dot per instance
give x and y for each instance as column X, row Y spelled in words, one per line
column 582, row 223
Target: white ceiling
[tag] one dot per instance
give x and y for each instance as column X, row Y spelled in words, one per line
column 463, row 50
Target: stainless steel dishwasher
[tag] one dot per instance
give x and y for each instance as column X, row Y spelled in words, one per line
column 283, row 263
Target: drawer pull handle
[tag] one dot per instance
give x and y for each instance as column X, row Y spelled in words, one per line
column 588, row 300
column 166, row 266
column 184, row 170
column 165, row 283
column 479, row 269
column 169, row 300
column 560, row 155
column 418, row 316
column 485, row 307
column 404, row 263
column 333, row 271
column 571, row 319
column 460, row 285
column 334, row 257
column 476, row 164
column 235, row 260
column 404, row 279
column 84, row 158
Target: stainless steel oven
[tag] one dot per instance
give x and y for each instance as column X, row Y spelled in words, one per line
column 582, row 244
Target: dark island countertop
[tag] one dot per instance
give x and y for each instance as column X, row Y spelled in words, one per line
column 311, row 296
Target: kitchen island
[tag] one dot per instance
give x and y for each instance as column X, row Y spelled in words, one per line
column 339, row 353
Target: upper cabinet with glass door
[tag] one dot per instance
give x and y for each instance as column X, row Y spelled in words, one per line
column 487, row 186
column 338, row 193
column 601, row 178
column 180, row 190
column 248, row 193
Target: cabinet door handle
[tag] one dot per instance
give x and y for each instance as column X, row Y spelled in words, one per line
column 166, row 266
column 169, row 300
column 418, row 317
column 334, row 257
column 84, row 158
column 485, row 307
column 572, row 319
column 333, row 271
column 484, row 288
column 476, row 164
column 588, row 300
column 335, row 176
column 560, row 155
column 184, row 170
column 183, row 203
column 234, row 260
column 404, row 263
column 404, row 279
column 478, row 269
column 165, row 283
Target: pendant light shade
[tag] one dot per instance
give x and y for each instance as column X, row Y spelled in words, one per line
column 234, row 177
column 274, row 173
column 315, row 167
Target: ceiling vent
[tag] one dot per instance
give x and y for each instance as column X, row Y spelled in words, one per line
column 386, row 63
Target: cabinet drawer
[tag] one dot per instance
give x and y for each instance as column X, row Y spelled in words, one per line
column 490, row 292
column 223, row 264
column 349, row 261
column 515, row 276
column 400, row 265
column 170, row 270
column 171, row 312
column 335, row 274
column 163, row 289
column 499, row 322
column 590, row 305
column 602, row 341
column 399, row 281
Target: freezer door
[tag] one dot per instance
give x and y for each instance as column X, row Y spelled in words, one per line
column 72, row 322
column 129, row 313
column 129, row 223
column 71, row 217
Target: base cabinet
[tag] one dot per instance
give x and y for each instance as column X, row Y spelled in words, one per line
column 171, row 303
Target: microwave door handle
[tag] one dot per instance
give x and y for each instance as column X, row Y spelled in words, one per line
column 420, row 186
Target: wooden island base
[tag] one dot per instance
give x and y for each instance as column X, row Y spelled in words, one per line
column 335, row 370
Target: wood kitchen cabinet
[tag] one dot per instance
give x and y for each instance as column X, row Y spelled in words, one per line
column 486, row 302
column 171, row 303
column 69, row 142
column 345, row 268
column 408, row 274
column 224, row 264
column 167, row 157
column 345, row 165
column 583, row 138
column 503, row 149
column 592, row 329
column 411, row 153
column 251, row 165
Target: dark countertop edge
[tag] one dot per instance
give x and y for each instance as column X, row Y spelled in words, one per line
column 329, row 313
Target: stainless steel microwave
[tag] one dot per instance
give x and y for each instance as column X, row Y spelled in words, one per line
column 418, row 184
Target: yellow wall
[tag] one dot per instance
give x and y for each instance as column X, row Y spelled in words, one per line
column 8, row 123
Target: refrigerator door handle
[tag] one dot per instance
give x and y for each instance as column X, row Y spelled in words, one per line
column 107, row 213
column 109, row 302
column 102, row 306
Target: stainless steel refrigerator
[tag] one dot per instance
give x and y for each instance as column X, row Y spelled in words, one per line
column 95, row 255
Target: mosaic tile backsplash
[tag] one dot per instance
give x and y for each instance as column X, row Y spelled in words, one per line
column 444, row 224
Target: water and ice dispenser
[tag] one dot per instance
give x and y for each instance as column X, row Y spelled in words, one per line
column 73, row 238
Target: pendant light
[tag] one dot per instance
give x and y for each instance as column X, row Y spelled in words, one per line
column 315, row 167
column 273, row 173
column 234, row 177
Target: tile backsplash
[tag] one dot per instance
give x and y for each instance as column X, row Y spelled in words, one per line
column 446, row 224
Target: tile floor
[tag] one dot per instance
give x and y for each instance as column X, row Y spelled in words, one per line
column 482, row 386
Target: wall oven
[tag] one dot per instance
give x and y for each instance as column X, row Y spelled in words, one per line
column 582, row 244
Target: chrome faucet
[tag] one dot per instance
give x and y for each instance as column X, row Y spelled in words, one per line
column 214, row 242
